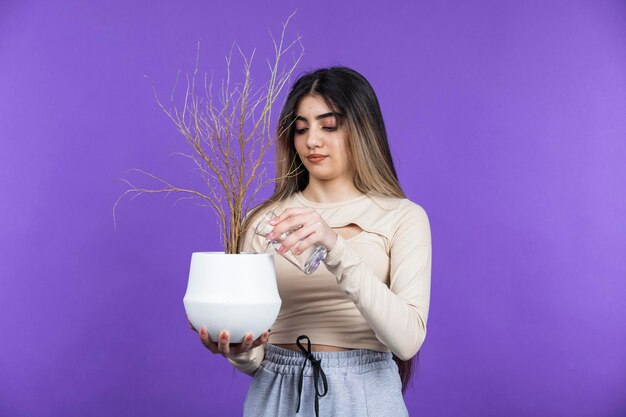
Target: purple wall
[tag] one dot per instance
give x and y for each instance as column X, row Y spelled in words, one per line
column 508, row 124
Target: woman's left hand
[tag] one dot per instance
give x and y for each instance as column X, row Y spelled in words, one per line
column 306, row 228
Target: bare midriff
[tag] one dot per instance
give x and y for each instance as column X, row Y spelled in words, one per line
column 314, row 348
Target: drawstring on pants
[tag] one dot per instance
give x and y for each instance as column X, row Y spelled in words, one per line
column 317, row 371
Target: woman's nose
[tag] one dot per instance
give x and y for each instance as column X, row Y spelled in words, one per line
column 314, row 139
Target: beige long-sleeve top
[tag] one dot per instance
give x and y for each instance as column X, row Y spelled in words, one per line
column 373, row 290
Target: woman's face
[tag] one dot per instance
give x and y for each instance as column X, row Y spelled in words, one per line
column 320, row 141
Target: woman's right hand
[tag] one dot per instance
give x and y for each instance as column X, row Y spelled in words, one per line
column 223, row 346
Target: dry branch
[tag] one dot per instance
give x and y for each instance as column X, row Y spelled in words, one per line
column 229, row 136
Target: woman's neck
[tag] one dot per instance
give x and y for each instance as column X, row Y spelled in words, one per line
column 327, row 192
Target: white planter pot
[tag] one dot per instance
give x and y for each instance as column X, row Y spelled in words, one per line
column 233, row 292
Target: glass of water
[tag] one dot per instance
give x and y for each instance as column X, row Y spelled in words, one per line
column 307, row 261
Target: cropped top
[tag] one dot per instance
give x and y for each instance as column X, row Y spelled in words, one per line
column 373, row 290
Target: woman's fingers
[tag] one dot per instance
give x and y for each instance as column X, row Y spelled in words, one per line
column 294, row 222
column 262, row 339
column 308, row 235
column 302, row 245
column 295, row 239
column 292, row 219
column 223, row 343
column 246, row 344
column 304, row 227
column 206, row 340
column 249, row 344
column 291, row 212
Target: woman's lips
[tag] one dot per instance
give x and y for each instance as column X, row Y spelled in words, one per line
column 316, row 158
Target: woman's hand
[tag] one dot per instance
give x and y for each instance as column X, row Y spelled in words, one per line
column 223, row 346
column 306, row 227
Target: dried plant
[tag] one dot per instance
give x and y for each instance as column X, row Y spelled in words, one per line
column 229, row 137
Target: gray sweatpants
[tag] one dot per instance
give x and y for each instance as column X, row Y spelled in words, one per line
column 361, row 383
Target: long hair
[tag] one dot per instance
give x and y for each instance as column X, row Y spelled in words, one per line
column 348, row 93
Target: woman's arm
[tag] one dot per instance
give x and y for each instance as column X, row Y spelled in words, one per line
column 397, row 314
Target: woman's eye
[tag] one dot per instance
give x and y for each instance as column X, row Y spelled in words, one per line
column 330, row 128
column 301, row 131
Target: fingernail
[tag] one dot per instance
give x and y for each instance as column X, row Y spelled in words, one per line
column 273, row 222
column 249, row 338
column 270, row 236
column 202, row 332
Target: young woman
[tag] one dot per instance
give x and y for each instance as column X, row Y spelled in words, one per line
column 346, row 335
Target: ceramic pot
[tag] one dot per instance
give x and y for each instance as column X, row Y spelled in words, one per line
column 233, row 292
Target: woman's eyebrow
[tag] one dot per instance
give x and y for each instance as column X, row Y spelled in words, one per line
column 321, row 116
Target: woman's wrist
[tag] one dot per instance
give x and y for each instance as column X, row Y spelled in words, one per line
column 248, row 362
column 333, row 241
column 242, row 356
column 335, row 254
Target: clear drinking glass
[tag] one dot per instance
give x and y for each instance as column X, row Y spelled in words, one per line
column 307, row 261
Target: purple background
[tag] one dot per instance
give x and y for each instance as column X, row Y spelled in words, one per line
column 507, row 121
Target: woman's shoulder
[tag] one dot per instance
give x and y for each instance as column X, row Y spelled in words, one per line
column 397, row 204
column 402, row 213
